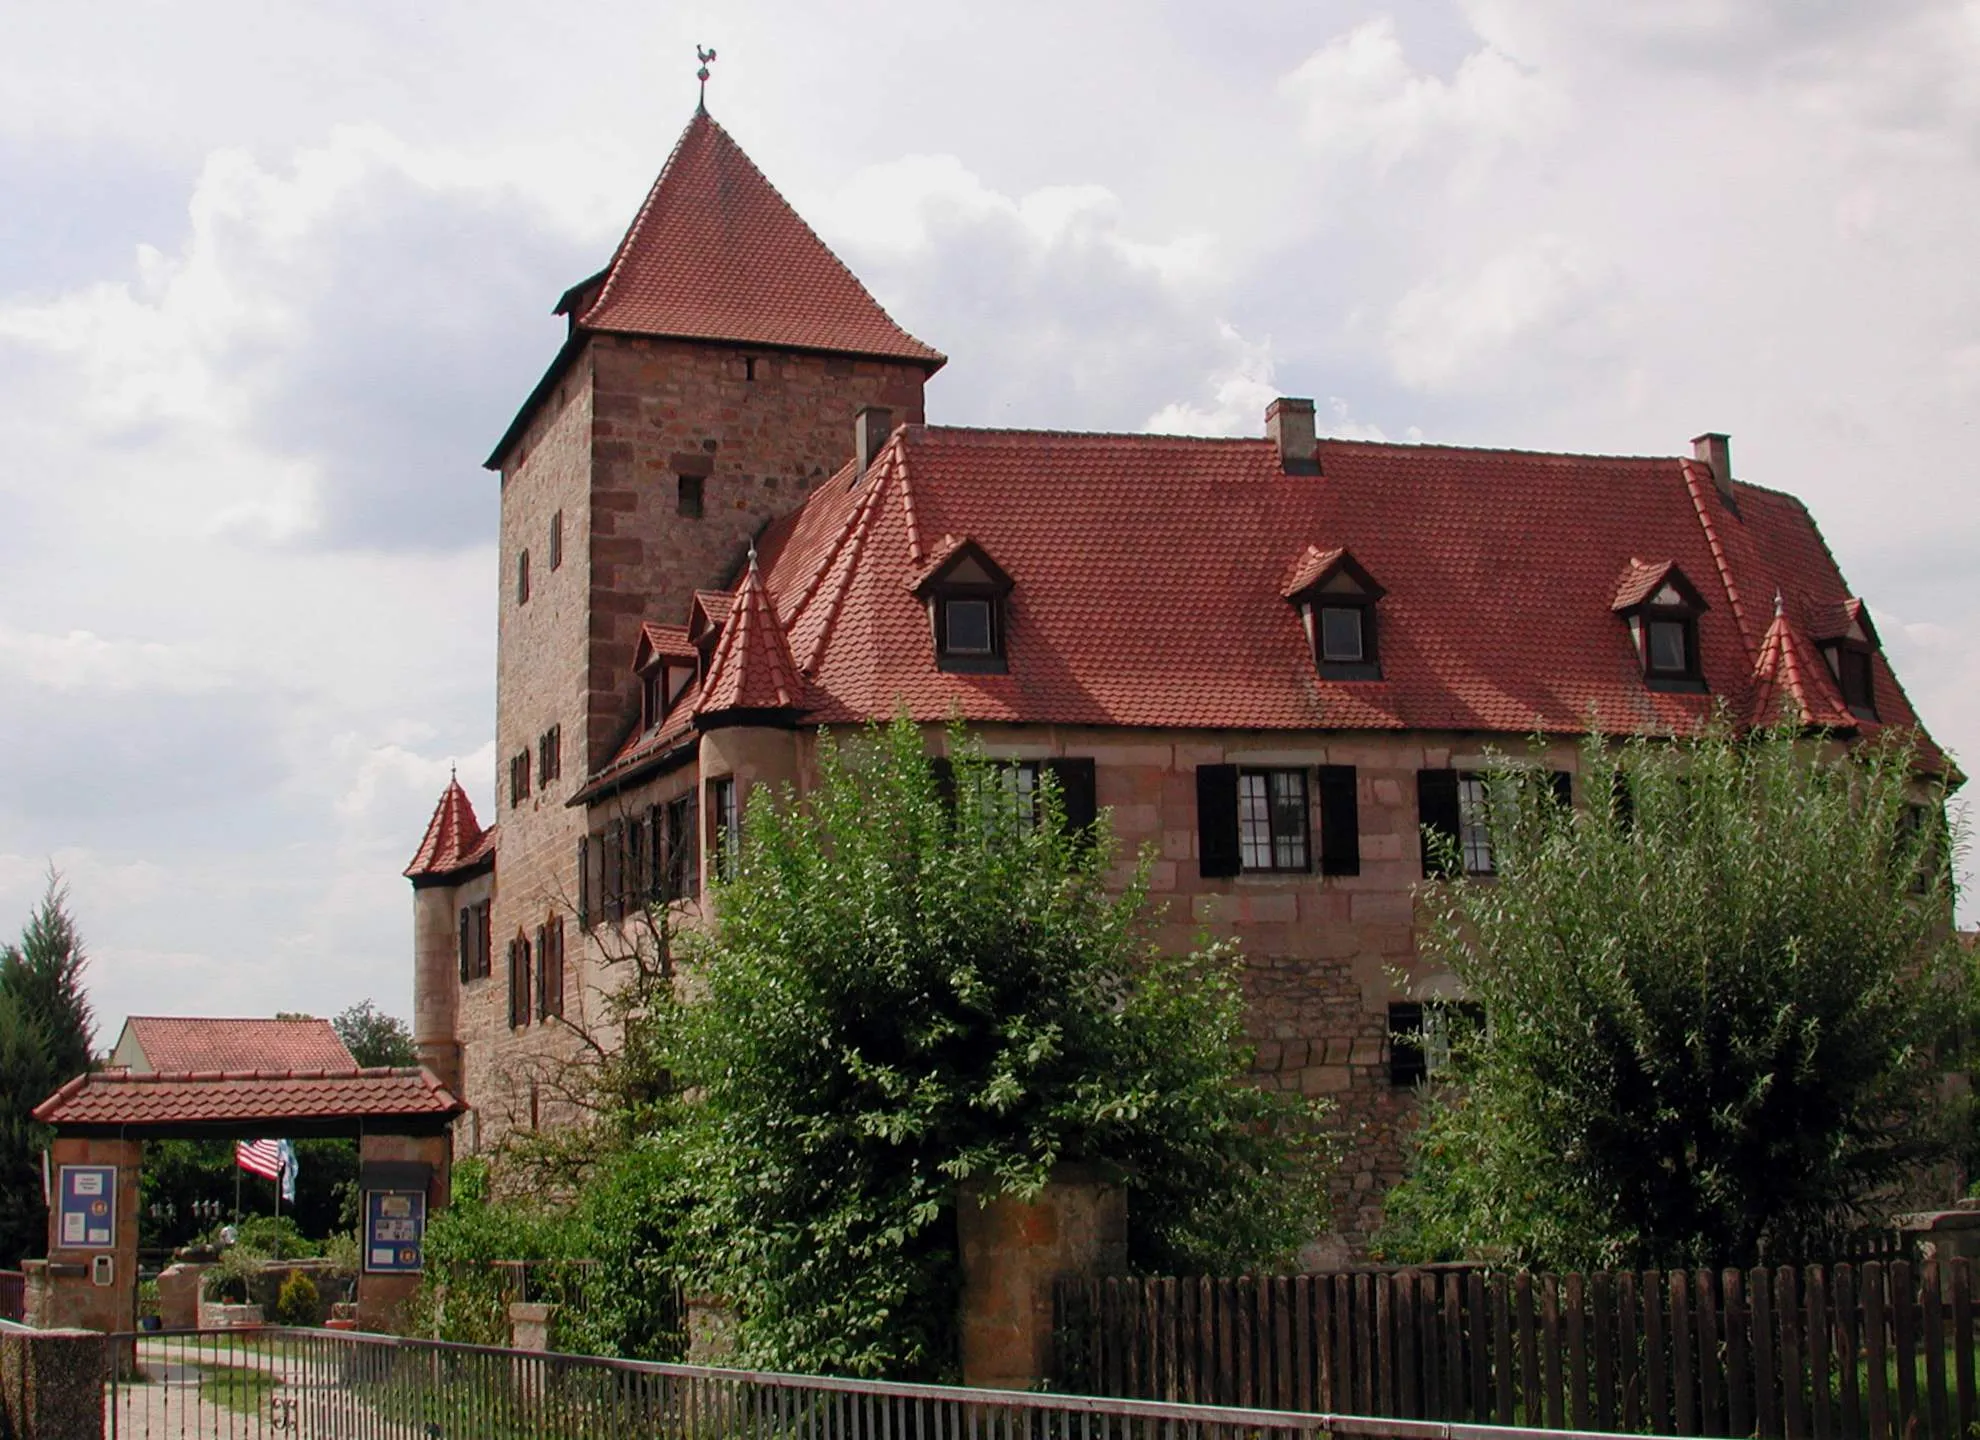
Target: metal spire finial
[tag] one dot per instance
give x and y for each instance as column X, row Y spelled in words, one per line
column 707, row 58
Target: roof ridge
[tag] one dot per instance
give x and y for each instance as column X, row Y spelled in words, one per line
column 1414, row 446
column 1721, row 559
column 851, row 546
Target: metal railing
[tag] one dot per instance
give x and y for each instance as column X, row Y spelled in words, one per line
column 325, row 1385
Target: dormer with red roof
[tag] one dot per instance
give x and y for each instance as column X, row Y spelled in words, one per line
column 1336, row 600
column 1791, row 686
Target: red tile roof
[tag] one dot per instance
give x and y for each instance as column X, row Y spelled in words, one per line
column 454, row 838
column 184, row 1042
column 1149, row 574
column 752, row 668
column 716, row 253
column 1639, row 582
column 1792, row 683
column 668, row 642
column 247, row 1097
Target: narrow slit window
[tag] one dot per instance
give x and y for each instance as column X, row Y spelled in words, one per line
column 689, row 500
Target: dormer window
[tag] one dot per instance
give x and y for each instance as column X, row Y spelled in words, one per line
column 1336, row 599
column 1661, row 608
column 667, row 662
column 967, row 595
column 1850, row 656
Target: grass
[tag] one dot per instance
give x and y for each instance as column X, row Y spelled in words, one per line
column 233, row 1388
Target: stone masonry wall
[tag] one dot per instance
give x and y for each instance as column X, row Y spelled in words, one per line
column 539, row 684
column 766, row 426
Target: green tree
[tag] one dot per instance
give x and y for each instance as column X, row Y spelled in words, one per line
column 1711, row 993
column 45, row 1030
column 913, row 985
column 375, row 1038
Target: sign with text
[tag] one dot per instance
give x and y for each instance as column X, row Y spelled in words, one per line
column 394, row 1231
column 86, row 1207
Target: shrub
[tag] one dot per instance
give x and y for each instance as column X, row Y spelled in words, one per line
column 297, row 1302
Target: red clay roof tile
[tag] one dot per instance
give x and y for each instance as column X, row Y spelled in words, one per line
column 246, row 1097
column 1791, row 683
column 454, row 838
column 715, row 253
column 184, row 1042
column 752, row 668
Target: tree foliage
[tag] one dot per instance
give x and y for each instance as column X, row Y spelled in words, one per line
column 1711, row 993
column 45, row 1033
column 373, row 1037
column 913, row 985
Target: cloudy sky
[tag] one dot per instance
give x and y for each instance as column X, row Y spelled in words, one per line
column 274, row 277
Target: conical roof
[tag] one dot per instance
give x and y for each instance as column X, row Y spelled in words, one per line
column 1791, row 682
column 453, row 836
column 753, row 668
column 716, row 253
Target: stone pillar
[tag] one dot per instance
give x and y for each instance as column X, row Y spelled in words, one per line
column 178, row 1294
column 78, row 1290
column 436, row 982
column 1945, row 1234
column 381, row 1298
column 51, row 1383
column 529, row 1325
column 711, row 1331
column 1012, row 1251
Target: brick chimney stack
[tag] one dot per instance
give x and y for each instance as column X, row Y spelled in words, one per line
column 871, row 427
column 1716, row 451
column 1289, row 424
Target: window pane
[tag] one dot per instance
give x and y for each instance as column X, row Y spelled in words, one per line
column 1856, row 685
column 1254, row 821
column 1474, row 836
column 967, row 626
column 1289, row 819
column 1340, row 634
column 1020, row 782
column 1667, row 647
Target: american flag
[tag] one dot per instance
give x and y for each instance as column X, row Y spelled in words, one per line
column 260, row 1157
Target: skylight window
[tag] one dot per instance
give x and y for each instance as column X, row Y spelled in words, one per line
column 1337, row 600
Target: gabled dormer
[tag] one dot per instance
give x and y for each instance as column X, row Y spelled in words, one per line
column 1849, row 644
column 667, row 665
column 1661, row 607
column 1337, row 600
column 968, row 599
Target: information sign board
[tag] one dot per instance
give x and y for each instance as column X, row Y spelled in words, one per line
column 86, row 1207
column 394, row 1231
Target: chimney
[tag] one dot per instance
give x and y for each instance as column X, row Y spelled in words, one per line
column 1289, row 425
column 871, row 427
column 1716, row 451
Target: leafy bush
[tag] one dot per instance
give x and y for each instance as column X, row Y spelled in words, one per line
column 343, row 1252
column 464, row 1295
column 276, row 1237
column 297, row 1302
column 231, row 1280
column 914, row 985
column 1710, row 1005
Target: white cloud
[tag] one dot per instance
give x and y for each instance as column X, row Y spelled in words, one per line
column 1360, row 98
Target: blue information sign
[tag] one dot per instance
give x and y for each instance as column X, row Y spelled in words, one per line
column 394, row 1231
column 86, row 1207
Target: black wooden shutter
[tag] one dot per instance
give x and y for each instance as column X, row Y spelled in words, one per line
column 1563, row 783
column 1340, row 822
column 1217, row 851
column 543, row 972
column 945, row 781
column 514, row 979
column 587, row 893
column 467, row 941
column 1078, row 793
column 484, row 938
column 1436, row 814
column 612, row 884
column 1622, row 801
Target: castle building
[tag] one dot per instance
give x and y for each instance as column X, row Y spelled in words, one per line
column 1278, row 661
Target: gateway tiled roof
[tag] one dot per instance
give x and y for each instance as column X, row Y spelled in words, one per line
column 1149, row 577
column 186, row 1043
column 246, row 1097
column 454, row 838
column 716, row 253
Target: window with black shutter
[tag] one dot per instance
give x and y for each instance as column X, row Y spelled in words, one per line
column 587, row 905
column 1217, row 852
column 683, row 862
column 1078, row 792
column 484, row 940
column 1562, row 782
column 475, row 942
column 542, row 997
column 519, row 983
column 551, row 964
column 1437, row 818
column 1421, row 1036
column 724, row 824
column 467, row 942
column 1340, row 821
column 612, row 878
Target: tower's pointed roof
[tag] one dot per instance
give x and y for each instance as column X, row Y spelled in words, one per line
column 753, row 668
column 454, row 837
column 1791, row 682
column 716, row 253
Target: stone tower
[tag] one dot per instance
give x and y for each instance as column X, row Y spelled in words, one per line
column 709, row 380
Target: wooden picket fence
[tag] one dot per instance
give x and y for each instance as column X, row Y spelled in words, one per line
column 1845, row 1352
